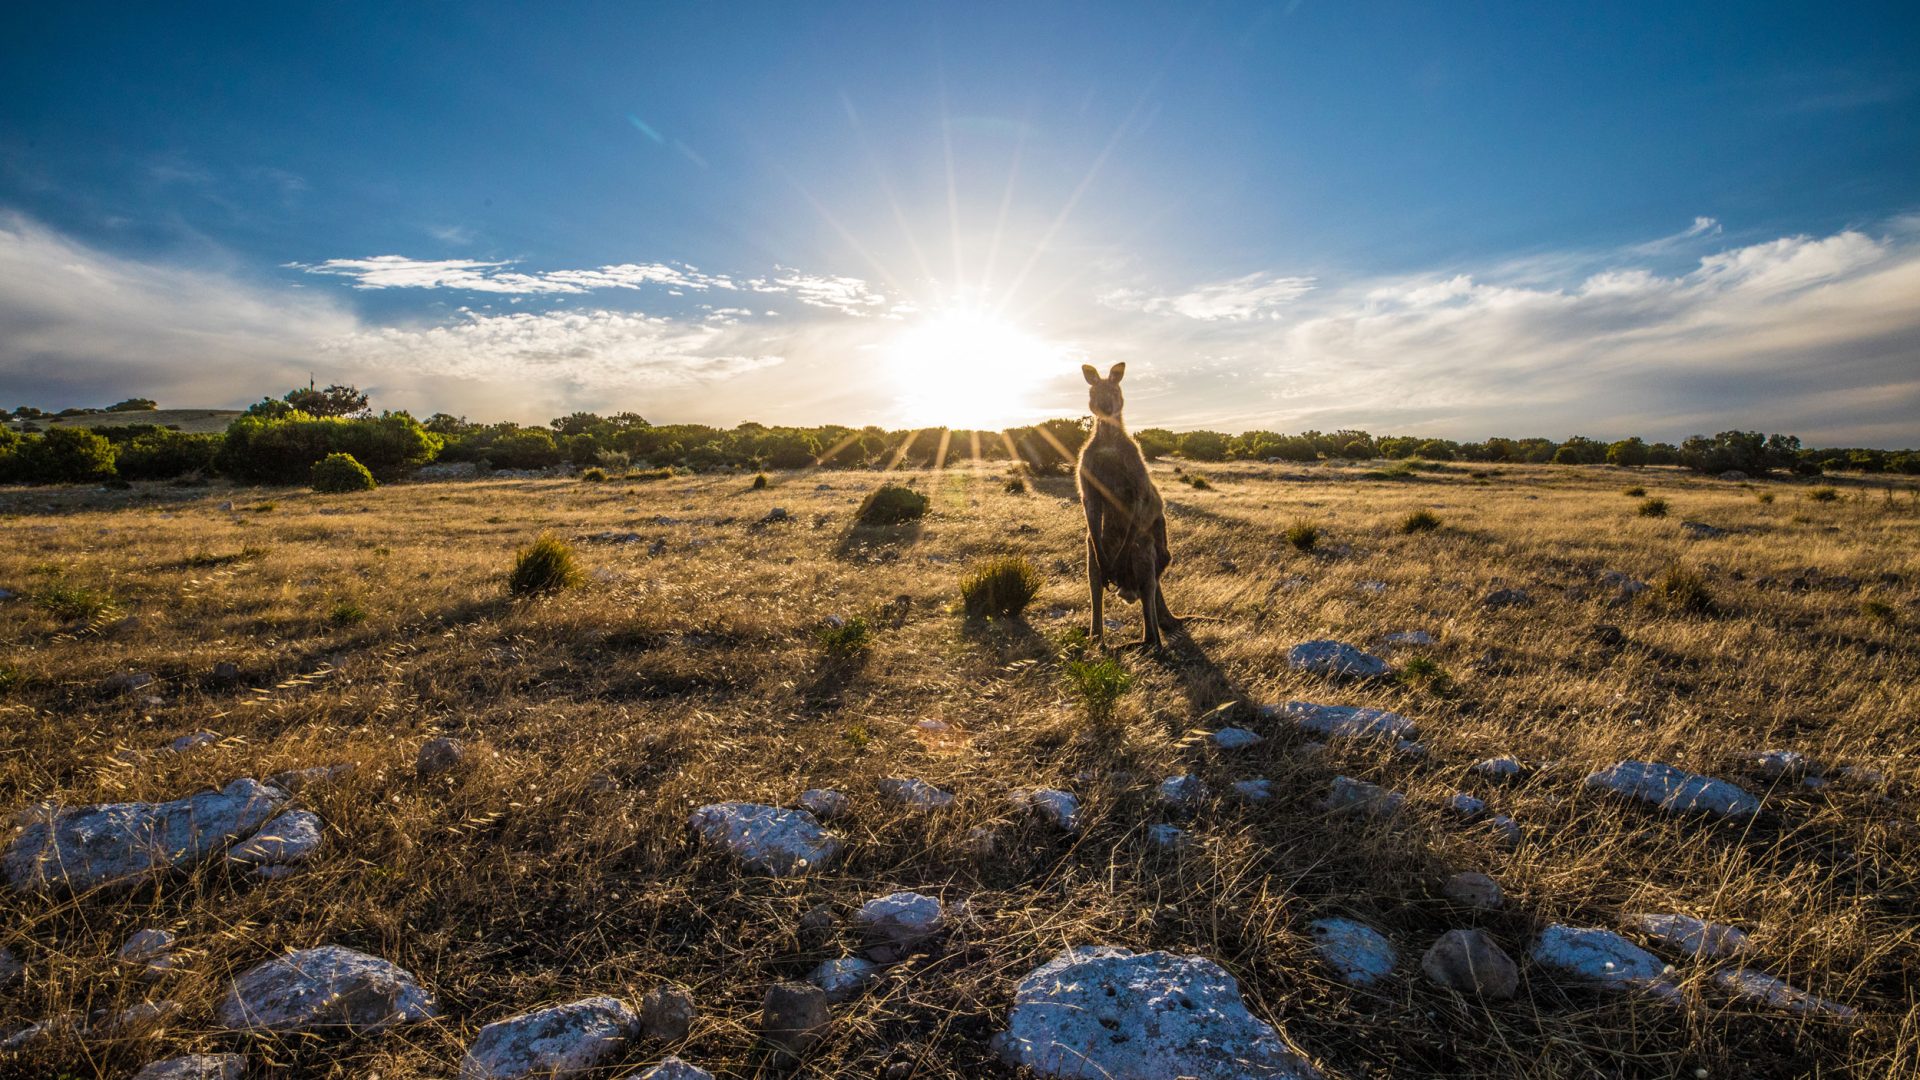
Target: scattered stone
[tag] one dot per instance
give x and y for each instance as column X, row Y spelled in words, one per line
column 1764, row 989
column 767, row 839
column 1372, row 799
column 1471, row 962
column 1626, row 585
column 843, row 978
column 1167, row 837
column 1234, row 738
column 44, row 1031
column 1358, row 954
column 675, row 1069
column 1675, row 790
column 194, row 741
column 793, row 1016
column 1863, row 775
column 196, row 1067
column 295, row 781
column 144, row 1018
column 1473, row 889
column 557, row 1042
column 893, row 924
column 128, row 681
column 1257, row 790
column 1335, row 659
column 440, row 755
column 981, row 842
column 447, row 470
column 1058, row 807
column 916, row 793
column 1700, row 530
column 1346, row 721
column 287, row 840
column 92, row 846
column 824, row 803
column 1695, row 937
column 1409, row 637
column 1782, row 764
column 1371, row 588
column 1101, row 1013
column 151, row 950
column 1605, row 958
column 777, row 515
column 1499, row 768
column 817, row 924
column 1184, row 791
column 1506, row 830
column 1412, row 751
column 1506, row 598
column 1466, row 805
column 330, row 986
column 932, row 725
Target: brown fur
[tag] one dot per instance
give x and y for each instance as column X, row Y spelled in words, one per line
column 1126, row 521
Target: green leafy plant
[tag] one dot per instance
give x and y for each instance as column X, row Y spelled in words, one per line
column 1685, row 589
column 848, row 639
column 891, row 505
column 1001, row 586
column 1655, row 507
column 760, row 482
column 1303, row 534
column 1634, row 492
column 544, row 566
column 338, row 474
column 68, row 600
column 347, row 613
column 1096, row 684
column 594, row 475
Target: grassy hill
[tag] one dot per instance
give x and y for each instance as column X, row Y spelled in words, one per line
column 193, row 421
column 691, row 667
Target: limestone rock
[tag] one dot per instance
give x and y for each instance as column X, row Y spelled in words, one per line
column 1505, row 598
column 1474, row 890
column 1167, row 837
column 824, row 803
column 893, row 924
column 1764, row 989
column 150, row 950
column 144, row 1018
column 916, row 793
column 1409, row 637
column 196, row 1067
column 1472, row 963
column 1506, row 830
column 1466, row 805
column 1058, row 807
column 193, row 741
column 557, row 1042
column 12, row 969
column 1604, row 958
column 287, row 840
column 128, row 682
column 1234, row 738
column 439, row 756
column 843, row 978
column 1499, row 768
column 1350, row 794
column 675, row 1069
column 1675, row 790
column 1103, row 1013
column 92, row 846
column 666, row 1013
column 295, row 781
column 1256, row 790
column 1782, row 764
column 1183, row 792
column 330, row 986
column 1696, row 937
column 1336, row 659
column 767, row 839
column 1358, row 954
column 1348, row 721
column 793, row 1016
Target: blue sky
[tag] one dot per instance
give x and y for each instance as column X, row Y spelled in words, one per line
column 1451, row 219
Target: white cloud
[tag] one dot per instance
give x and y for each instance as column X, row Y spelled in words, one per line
column 401, row 272
column 1253, row 296
column 847, row 295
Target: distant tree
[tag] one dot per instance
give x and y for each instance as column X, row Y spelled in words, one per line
column 270, row 409
column 582, row 449
column 1204, row 446
column 1630, row 452
column 1436, row 450
column 580, row 423
column 134, row 404
column 1661, row 453
column 335, row 400
column 445, row 424
column 67, row 456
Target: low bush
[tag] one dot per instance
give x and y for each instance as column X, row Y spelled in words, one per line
column 347, row 613
column 1302, row 534
column 1197, row 482
column 1420, row 521
column 891, row 505
column 1016, row 486
column 1823, row 494
column 1685, row 589
column 1001, row 586
column 760, row 482
column 848, row 639
column 67, row 600
column 1655, row 507
column 163, row 454
column 1096, row 684
column 595, row 475
column 544, row 566
column 338, row 474
column 1634, row 492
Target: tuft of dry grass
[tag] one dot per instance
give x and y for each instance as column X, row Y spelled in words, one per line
column 556, row 864
column 1302, row 534
column 544, row 566
column 1000, row 587
column 1421, row 520
column 1654, row 507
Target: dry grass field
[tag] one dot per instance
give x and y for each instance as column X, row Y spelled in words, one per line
column 688, row 669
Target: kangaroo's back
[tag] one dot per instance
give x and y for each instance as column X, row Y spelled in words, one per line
column 1126, row 519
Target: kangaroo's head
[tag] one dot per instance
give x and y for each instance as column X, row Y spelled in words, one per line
column 1104, row 396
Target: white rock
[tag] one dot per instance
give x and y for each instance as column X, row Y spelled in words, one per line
column 1675, row 789
column 1183, row 792
column 1410, row 750
column 330, row 986
column 1410, row 637
column 195, row 1067
column 666, row 1012
column 558, row 1042
column 287, row 840
column 843, row 978
column 675, row 1069
column 1690, row 935
column 893, row 924
column 1605, row 958
column 1759, row 987
column 1106, row 1014
column 981, row 841
column 1373, row 588
column 1499, row 768
column 1466, row 805
column 1358, row 954
column 1233, row 738
column 150, row 949
column 1257, row 790
column 91, row 846
column 1781, row 764
column 1336, row 659
column 144, row 1018
column 916, row 793
column 1350, row 794
column 1058, row 807
column 1473, row 889
column 1507, row 829
column 193, row 741
column 1167, row 837
column 824, row 803
column 439, row 755
column 767, row 839
column 1347, row 721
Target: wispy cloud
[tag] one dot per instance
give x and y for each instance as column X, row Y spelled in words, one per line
column 401, row 272
column 847, row 295
column 1256, row 295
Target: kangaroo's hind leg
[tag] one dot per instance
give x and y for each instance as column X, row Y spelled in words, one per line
column 1151, row 605
column 1097, row 590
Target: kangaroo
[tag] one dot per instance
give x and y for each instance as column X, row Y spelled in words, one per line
column 1126, row 521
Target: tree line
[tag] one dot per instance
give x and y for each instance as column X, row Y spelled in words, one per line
column 278, row 441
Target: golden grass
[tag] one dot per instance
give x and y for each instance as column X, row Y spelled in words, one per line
column 558, row 864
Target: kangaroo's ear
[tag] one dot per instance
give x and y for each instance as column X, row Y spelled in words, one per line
column 1093, row 375
column 1117, row 371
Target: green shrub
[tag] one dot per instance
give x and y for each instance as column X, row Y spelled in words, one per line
column 1016, row 486
column 1823, row 494
column 1419, row 521
column 66, row 600
column 594, row 475
column 1425, row 670
column 283, row 451
column 1302, row 534
column 1002, row 586
column 347, row 613
column 1655, row 507
column 1685, row 589
column 1765, row 497
column 66, row 456
column 760, row 481
column 338, row 474
column 162, row 454
column 851, row 638
column 1877, row 609
column 1635, row 492
column 546, row 565
column 891, row 505
column 1096, row 684
column 1197, row 482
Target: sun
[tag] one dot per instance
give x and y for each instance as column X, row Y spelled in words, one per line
column 966, row 368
